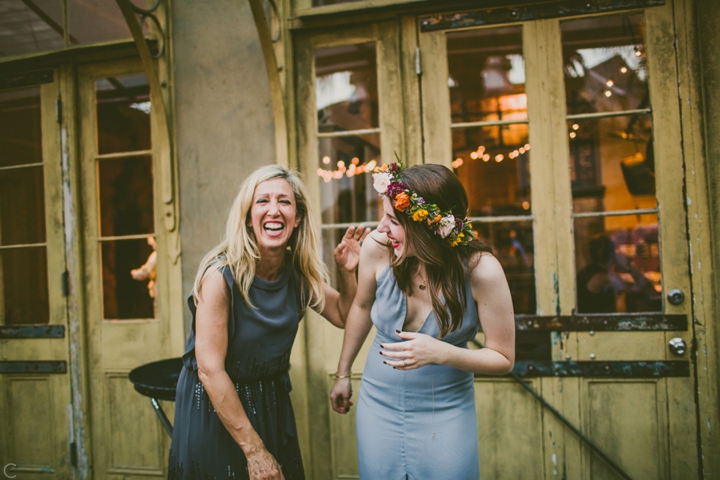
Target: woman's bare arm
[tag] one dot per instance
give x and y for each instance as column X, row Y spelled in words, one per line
column 495, row 311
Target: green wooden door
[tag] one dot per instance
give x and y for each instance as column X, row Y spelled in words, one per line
column 36, row 437
column 566, row 133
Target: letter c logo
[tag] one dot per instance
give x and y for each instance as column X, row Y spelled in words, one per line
column 6, row 472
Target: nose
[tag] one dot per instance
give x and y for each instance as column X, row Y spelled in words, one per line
column 273, row 208
column 383, row 226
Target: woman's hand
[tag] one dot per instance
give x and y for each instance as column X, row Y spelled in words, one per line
column 340, row 395
column 347, row 253
column 263, row 466
column 417, row 350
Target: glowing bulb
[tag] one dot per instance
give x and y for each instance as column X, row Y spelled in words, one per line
column 486, row 157
column 521, row 150
column 499, row 157
column 340, row 164
column 623, row 70
column 608, row 93
column 371, row 165
column 527, row 146
column 638, row 52
column 326, row 160
column 320, row 172
column 474, row 155
column 481, row 149
column 609, row 83
column 355, row 160
column 526, row 205
column 573, row 134
column 575, row 126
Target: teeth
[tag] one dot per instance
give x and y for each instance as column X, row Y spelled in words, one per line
column 274, row 226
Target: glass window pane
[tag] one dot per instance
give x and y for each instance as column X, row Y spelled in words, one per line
column 93, row 21
column 20, row 130
column 618, row 264
column 320, row 3
column 124, row 297
column 24, row 286
column 30, row 27
column 486, row 75
column 612, row 163
column 604, row 59
column 513, row 245
column 123, row 114
column 345, row 169
column 493, row 164
column 126, row 196
column 22, row 206
column 346, row 87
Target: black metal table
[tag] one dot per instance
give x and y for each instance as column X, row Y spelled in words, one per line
column 158, row 381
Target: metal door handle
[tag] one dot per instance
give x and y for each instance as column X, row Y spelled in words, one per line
column 676, row 296
column 677, row 346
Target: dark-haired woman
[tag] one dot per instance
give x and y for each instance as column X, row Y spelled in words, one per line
column 426, row 283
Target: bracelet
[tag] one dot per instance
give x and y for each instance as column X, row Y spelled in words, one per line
column 342, row 376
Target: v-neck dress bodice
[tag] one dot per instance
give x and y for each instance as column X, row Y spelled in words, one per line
column 416, row 424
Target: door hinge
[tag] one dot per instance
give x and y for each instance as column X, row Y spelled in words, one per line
column 58, row 110
column 418, row 62
column 73, row 454
column 65, row 282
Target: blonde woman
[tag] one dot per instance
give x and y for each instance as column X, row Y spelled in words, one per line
column 233, row 417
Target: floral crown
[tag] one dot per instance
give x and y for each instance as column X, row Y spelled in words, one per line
column 387, row 182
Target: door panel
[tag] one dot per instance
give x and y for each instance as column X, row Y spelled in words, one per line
column 33, row 406
column 123, row 270
column 606, row 208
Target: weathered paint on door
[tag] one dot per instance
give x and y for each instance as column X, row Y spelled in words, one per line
column 646, row 425
column 34, row 407
column 128, row 319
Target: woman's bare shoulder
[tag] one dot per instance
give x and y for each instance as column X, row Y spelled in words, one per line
column 374, row 253
column 484, row 267
column 214, row 288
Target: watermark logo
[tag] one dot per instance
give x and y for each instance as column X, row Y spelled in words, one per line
column 10, row 467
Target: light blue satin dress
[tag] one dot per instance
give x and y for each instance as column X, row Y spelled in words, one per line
column 416, row 424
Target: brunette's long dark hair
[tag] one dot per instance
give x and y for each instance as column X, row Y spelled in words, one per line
column 446, row 266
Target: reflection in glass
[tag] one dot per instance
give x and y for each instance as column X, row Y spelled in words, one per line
column 346, row 191
column 346, row 90
column 604, row 60
column 493, row 164
column 29, row 27
column 612, row 163
column 22, row 206
column 126, row 196
column 20, row 131
column 24, row 286
column 124, row 297
column 618, row 264
column 93, row 21
column 487, row 75
column 123, row 114
column 513, row 245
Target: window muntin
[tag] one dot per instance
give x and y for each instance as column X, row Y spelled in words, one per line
column 40, row 26
column 610, row 138
column 491, row 147
column 124, row 169
column 348, row 136
column 24, row 297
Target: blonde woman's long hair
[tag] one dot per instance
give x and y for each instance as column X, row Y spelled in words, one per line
column 240, row 252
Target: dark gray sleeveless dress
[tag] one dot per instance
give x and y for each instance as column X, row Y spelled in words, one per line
column 259, row 343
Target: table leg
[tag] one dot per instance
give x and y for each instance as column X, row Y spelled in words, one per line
column 161, row 415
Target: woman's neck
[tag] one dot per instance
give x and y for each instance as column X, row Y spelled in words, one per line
column 270, row 265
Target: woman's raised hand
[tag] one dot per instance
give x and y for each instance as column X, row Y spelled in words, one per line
column 347, row 253
column 263, row 466
column 417, row 350
column 340, row 395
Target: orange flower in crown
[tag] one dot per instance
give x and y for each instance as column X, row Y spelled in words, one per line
column 402, row 201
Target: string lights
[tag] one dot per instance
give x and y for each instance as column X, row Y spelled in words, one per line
column 355, row 168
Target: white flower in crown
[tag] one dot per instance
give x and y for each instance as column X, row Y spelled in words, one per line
column 446, row 225
column 381, row 182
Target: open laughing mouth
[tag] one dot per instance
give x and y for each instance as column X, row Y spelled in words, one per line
column 273, row 228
